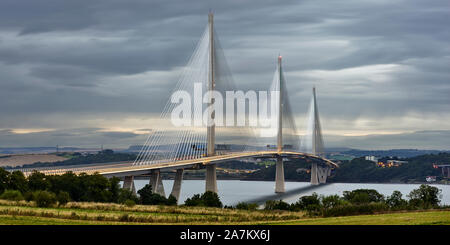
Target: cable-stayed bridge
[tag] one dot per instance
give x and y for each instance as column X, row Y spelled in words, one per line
column 202, row 134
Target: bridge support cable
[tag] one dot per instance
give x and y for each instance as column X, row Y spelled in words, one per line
column 176, row 189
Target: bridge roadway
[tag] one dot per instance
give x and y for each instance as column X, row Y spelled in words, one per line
column 127, row 169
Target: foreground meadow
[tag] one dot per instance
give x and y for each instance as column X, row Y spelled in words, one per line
column 26, row 213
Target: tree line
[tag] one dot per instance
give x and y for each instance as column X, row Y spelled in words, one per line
column 356, row 202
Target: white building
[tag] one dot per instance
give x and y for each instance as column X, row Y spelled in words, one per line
column 372, row 158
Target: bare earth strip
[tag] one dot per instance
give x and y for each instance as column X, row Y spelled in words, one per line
column 19, row 160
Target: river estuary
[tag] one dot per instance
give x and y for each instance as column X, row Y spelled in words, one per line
column 233, row 191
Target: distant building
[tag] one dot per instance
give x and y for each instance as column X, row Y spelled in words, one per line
column 430, row 178
column 391, row 163
column 395, row 163
column 371, row 158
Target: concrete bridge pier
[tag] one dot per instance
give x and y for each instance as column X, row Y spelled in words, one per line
column 211, row 178
column 314, row 178
column 323, row 173
column 128, row 183
column 156, row 182
column 176, row 189
column 279, row 176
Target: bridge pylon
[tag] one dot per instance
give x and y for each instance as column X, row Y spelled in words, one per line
column 279, row 174
column 211, row 176
column 318, row 174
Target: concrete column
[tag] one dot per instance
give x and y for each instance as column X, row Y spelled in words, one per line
column 322, row 174
column 176, row 189
column 279, row 176
column 128, row 183
column 154, row 179
column 448, row 172
column 211, row 178
column 160, row 189
column 314, row 179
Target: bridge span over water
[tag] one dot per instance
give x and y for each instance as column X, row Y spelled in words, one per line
column 196, row 147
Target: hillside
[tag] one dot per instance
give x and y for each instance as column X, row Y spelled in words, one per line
column 359, row 170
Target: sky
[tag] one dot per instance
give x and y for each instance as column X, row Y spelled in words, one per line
column 90, row 72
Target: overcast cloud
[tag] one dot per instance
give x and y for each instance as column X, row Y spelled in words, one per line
column 89, row 72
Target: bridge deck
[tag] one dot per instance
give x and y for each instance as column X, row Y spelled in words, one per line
column 130, row 169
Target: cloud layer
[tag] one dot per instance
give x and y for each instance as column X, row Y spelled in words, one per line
column 380, row 67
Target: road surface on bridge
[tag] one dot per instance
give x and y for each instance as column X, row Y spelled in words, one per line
column 124, row 169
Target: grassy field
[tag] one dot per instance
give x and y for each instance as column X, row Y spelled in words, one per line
column 23, row 213
column 21, row 159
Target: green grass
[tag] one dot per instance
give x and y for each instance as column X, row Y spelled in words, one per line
column 29, row 220
column 23, row 213
column 407, row 218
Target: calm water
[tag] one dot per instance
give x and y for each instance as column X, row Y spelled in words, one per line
column 233, row 191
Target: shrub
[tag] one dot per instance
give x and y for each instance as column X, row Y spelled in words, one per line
column 247, row 206
column 331, row 201
column 307, row 203
column 195, row 200
column 171, row 201
column 129, row 203
column 125, row 194
column 207, row 199
column 395, row 201
column 147, row 197
column 44, row 198
column 211, row 199
column 28, row 196
column 361, row 196
column 63, row 198
column 12, row 195
column 276, row 205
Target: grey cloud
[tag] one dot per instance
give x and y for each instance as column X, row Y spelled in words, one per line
column 70, row 62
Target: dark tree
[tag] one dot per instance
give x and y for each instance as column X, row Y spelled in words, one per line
column 361, row 196
column 145, row 194
column 114, row 188
column 17, row 181
column 395, row 201
column 4, row 180
column 207, row 199
column 63, row 198
column 426, row 196
column 44, row 198
column 37, row 181
column 211, row 199
column 276, row 205
column 125, row 194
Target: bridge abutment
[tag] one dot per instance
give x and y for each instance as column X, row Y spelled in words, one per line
column 176, row 189
column 128, row 183
column 211, row 178
column 279, row 176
